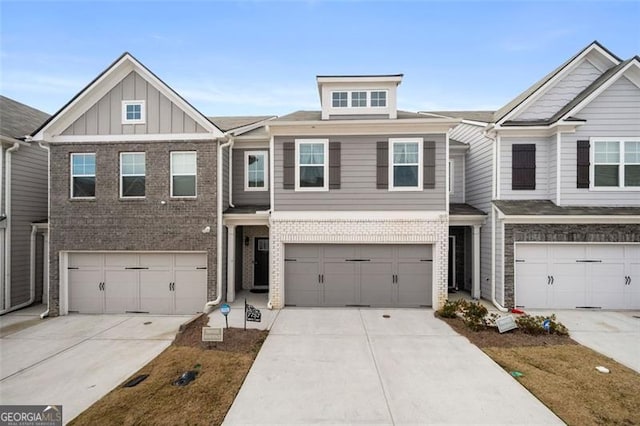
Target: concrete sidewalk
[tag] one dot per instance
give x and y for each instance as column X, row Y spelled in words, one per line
column 355, row 366
column 74, row 360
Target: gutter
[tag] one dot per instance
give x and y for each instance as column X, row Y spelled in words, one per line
column 46, row 313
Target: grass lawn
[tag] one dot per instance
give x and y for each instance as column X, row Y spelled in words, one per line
column 561, row 374
column 206, row 400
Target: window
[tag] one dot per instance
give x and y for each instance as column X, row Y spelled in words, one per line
column 183, row 174
column 132, row 174
column 405, row 158
column 358, row 99
column 378, row 99
column 523, row 167
column 616, row 163
column 83, row 175
column 133, row 112
column 311, row 164
column 255, row 171
column 339, row 99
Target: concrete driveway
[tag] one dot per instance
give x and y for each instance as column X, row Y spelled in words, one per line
column 354, row 366
column 76, row 359
column 615, row 334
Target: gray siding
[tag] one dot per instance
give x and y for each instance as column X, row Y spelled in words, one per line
column 615, row 113
column 358, row 185
column 28, row 204
column 240, row 196
column 562, row 93
column 542, row 169
column 225, row 178
column 499, row 264
column 457, row 162
column 105, row 117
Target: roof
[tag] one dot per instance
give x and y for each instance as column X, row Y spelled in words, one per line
column 453, row 142
column 17, row 119
column 460, row 209
column 317, row 116
column 548, row 208
column 483, row 116
column 246, row 209
column 226, row 123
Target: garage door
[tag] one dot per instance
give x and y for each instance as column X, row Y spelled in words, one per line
column 157, row 283
column 358, row 275
column 567, row 276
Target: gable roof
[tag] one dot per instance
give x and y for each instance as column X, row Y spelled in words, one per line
column 226, row 123
column 317, row 116
column 481, row 116
column 121, row 61
column 18, row 120
column 548, row 208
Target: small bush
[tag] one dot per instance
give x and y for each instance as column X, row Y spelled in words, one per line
column 450, row 309
column 534, row 325
column 473, row 314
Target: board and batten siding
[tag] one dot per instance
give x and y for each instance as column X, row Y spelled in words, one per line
column 562, row 92
column 478, row 192
column 28, row 204
column 614, row 113
column 105, row 116
column 543, row 176
column 240, row 196
column 358, row 180
column 457, row 162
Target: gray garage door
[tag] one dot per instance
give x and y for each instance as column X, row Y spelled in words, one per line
column 358, row 275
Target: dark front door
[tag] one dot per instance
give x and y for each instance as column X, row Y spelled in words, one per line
column 261, row 262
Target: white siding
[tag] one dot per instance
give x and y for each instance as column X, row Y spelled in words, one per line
column 457, row 162
column 561, row 93
column 615, row 113
column 542, row 169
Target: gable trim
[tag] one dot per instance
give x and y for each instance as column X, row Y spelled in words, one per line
column 131, row 138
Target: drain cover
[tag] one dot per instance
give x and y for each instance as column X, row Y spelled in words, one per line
column 386, row 316
column 135, row 381
column 147, row 323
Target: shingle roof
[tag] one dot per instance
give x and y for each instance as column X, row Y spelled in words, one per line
column 226, row 123
column 453, row 142
column 18, row 120
column 548, row 208
column 483, row 116
column 246, row 209
column 317, row 116
column 461, row 209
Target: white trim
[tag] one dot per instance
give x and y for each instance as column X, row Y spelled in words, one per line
column 195, row 174
column 452, row 262
column 464, row 179
column 419, row 186
column 498, row 165
column 325, row 165
column 452, row 168
column 265, row 171
column 138, row 197
column 160, row 137
column 71, row 175
column 143, row 112
column 447, row 165
column 621, row 164
column 562, row 219
column 272, row 168
column 360, row 216
column 368, row 108
column 558, row 168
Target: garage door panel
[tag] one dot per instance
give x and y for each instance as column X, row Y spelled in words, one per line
column 302, row 251
column 84, row 292
column 191, row 259
column 339, row 281
column 121, row 260
column 190, row 291
column 607, row 284
column 380, row 251
column 85, row 260
column 155, row 294
column 414, row 252
column 376, row 284
column 302, row 283
column 340, row 251
column 532, row 252
column 159, row 260
column 121, row 291
column 568, row 252
column 606, row 252
column 414, row 284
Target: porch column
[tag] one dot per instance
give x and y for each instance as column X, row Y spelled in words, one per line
column 231, row 263
column 476, row 262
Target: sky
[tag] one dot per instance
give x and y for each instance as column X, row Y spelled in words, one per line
column 261, row 57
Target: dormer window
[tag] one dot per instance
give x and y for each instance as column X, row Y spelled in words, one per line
column 358, row 99
column 379, row 99
column 340, row 99
column 133, row 112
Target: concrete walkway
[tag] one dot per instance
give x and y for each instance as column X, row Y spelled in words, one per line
column 76, row 359
column 355, row 366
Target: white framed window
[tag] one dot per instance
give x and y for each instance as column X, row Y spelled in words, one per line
column 405, row 164
column 83, row 175
column 379, row 98
column 133, row 112
column 132, row 174
column 615, row 163
column 184, row 166
column 255, row 166
column 339, row 99
column 312, row 169
column 358, row 99
column 451, row 174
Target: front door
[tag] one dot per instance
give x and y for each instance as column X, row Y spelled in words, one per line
column 261, row 262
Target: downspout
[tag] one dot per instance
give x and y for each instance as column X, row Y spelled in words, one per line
column 271, row 205
column 232, row 141
column 493, row 261
column 48, row 256
column 219, row 167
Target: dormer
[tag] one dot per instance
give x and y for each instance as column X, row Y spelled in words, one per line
column 358, row 96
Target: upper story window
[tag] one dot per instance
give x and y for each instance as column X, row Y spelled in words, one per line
column 311, row 165
column 255, row 177
column 378, row 99
column 183, row 173
column 83, row 175
column 616, row 163
column 133, row 112
column 339, row 99
column 359, row 99
column 406, row 164
column 132, row 174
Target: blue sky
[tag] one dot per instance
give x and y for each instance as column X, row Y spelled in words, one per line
column 257, row 57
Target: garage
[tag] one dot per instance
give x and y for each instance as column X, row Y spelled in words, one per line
column 155, row 283
column 377, row 275
column 568, row 276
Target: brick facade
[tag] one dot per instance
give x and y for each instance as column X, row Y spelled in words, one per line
column 335, row 231
column 592, row 233
column 110, row 223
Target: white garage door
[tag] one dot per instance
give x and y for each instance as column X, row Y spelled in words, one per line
column 567, row 276
column 157, row 283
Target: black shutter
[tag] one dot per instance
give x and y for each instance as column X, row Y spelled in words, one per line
column 289, row 165
column 382, row 165
column 429, row 169
column 582, row 178
column 523, row 166
column 334, row 165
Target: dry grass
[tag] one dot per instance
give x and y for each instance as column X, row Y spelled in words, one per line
column 564, row 378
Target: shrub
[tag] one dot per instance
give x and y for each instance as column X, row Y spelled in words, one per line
column 473, row 314
column 450, row 309
column 534, row 325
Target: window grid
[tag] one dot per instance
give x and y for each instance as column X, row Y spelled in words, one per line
column 340, row 99
column 378, row 99
column 256, row 167
column 406, row 167
column 183, row 174
column 83, row 175
column 132, row 174
column 311, row 165
column 616, row 164
column 358, row 99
